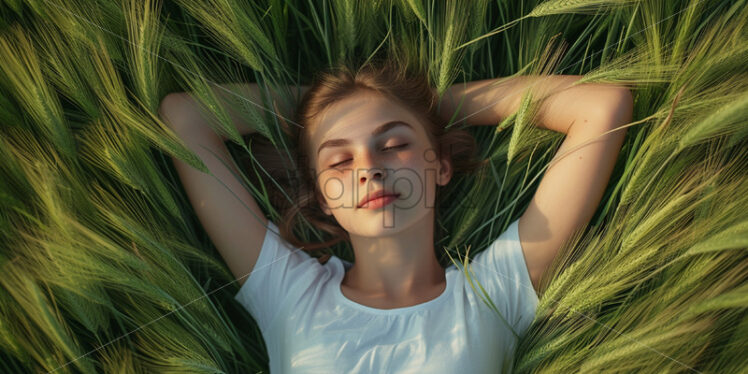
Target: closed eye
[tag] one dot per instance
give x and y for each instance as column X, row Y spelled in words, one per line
column 339, row 163
column 384, row 149
column 394, row 146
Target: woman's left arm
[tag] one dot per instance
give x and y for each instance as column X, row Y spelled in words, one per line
column 573, row 184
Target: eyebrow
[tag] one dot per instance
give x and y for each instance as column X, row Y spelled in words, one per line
column 379, row 130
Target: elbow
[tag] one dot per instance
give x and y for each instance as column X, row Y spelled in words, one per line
column 624, row 105
column 617, row 108
column 165, row 108
column 174, row 111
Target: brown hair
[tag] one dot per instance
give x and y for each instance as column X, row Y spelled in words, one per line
column 410, row 89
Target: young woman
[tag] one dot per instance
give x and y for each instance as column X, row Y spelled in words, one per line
column 375, row 153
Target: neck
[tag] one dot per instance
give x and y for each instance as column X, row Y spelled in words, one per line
column 396, row 266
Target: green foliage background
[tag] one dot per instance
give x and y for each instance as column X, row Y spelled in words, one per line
column 105, row 268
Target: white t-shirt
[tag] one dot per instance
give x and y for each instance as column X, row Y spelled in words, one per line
column 309, row 326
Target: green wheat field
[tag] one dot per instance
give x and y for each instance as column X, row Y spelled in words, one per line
column 104, row 267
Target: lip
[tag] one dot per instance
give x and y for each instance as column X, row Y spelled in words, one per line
column 378, row 199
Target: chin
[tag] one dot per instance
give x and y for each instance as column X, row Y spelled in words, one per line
column 386, row 222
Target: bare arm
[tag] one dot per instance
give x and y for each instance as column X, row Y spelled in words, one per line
column 488, row 101
column 575, row 181
column 225, row 208
column 232, row 96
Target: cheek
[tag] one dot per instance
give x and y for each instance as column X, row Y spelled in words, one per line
column 411, row 160
column 417, row 163
column 421, row 161
column 332, row 188
column 337, row 189
column 410, row 156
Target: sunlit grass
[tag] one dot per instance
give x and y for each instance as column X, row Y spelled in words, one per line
column 106, row 269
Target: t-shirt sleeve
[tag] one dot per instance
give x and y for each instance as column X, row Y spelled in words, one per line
column 502, row 271
column 281, row 272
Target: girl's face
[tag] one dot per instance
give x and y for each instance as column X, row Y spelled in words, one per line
column 367, row 143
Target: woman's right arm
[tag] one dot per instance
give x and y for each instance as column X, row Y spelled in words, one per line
column 231, row 95
column 225, row 208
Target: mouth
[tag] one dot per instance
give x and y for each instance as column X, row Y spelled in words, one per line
column 378, row 200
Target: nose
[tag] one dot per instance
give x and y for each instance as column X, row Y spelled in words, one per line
column 369, row 169
column 371, row 173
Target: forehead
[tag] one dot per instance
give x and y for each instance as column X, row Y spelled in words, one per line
column 356, row 116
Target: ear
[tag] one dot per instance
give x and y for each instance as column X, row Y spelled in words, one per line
column 445, row 172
